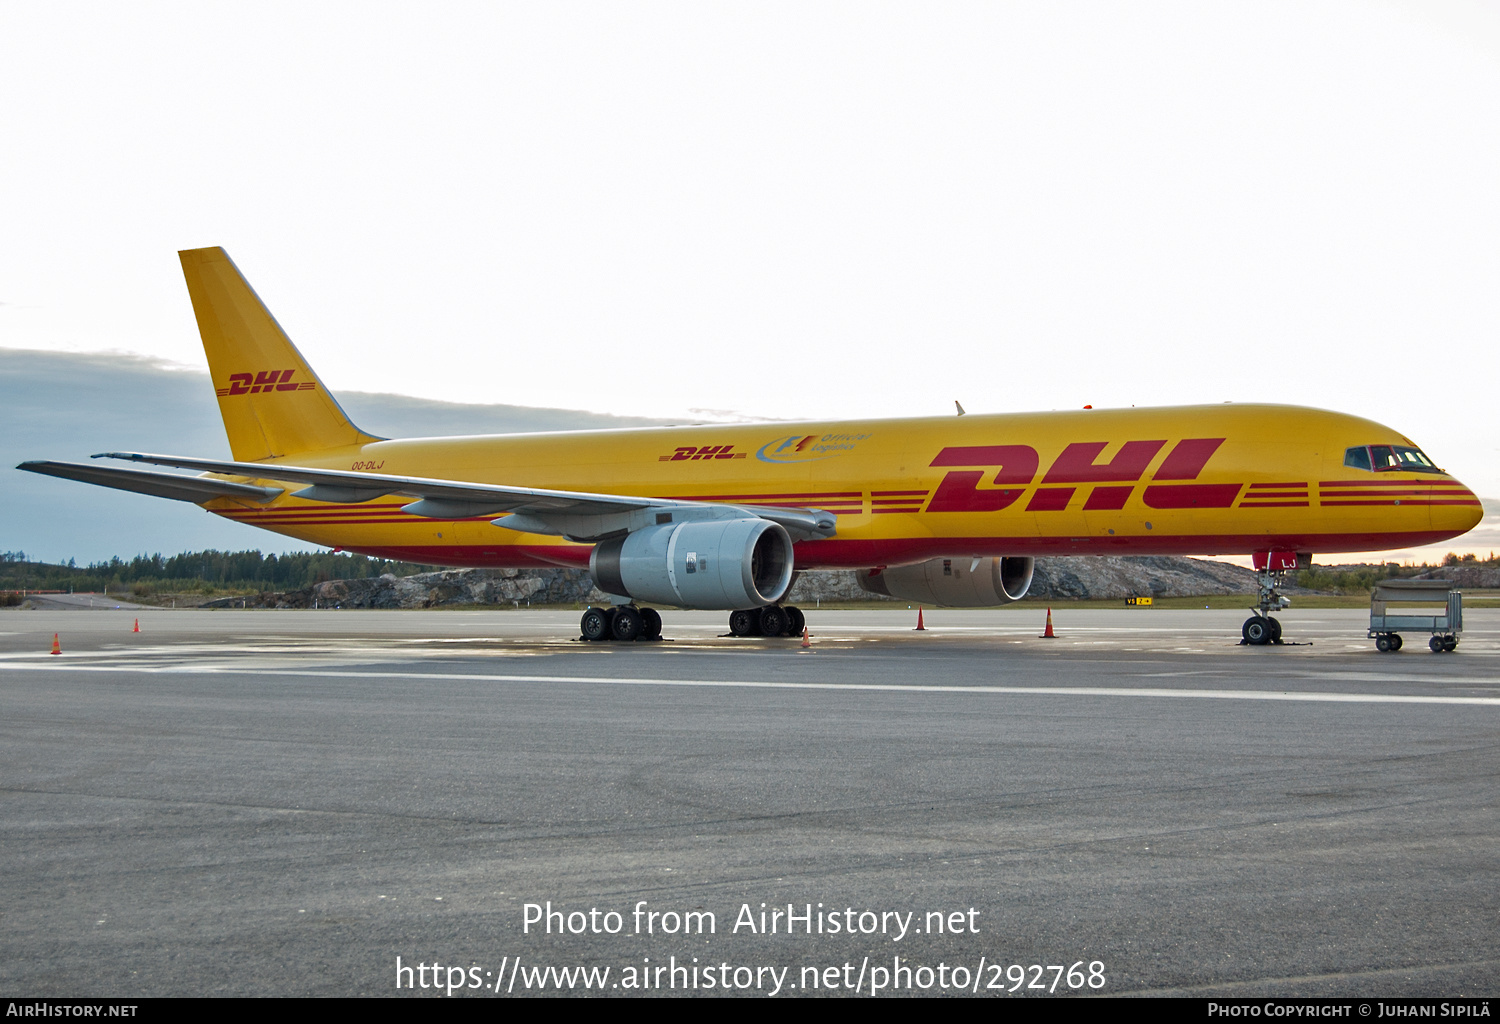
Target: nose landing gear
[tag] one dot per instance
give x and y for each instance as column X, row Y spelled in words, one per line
column 1261, row 628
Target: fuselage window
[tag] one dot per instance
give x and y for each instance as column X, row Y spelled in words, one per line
column 1389, row 458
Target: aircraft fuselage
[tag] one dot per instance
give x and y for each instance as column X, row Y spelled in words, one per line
column 1212, row 479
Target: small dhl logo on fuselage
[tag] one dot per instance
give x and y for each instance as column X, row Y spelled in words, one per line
column 264, row 380
column 712, row 451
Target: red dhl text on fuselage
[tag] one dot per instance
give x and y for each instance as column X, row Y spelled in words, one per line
column 1192, row 480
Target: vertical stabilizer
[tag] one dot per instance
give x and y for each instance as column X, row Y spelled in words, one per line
column 272, row 402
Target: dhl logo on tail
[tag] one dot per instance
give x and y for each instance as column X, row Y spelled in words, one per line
column 264, row 380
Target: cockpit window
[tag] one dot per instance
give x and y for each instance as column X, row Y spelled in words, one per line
column 1389, row 458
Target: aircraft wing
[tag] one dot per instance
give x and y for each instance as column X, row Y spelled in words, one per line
column 577, row 514
column 161, row 485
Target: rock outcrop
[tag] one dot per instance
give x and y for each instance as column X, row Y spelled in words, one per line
column 445, row 588
column 1079, row 578
column 1057, row 579
column 1466, row 577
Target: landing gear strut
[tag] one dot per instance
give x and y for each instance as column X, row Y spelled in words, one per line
column 772, row 620
column 624, row 623
column 1260, row 628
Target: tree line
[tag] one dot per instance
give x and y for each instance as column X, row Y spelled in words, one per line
column 197, row 570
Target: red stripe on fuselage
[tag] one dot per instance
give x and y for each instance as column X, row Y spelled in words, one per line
column 837, row 553
column 1401, row 501
column 758, row 497
column 1408, row 482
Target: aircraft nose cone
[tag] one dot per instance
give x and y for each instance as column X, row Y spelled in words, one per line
column 1456, row 512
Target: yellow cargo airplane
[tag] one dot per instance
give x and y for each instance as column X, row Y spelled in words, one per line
column 943, row 511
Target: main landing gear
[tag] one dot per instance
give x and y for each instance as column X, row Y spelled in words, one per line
column 772, row 620
column 624, row 623
column 1261, row 628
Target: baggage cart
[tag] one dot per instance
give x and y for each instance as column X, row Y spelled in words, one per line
column 1443, row 620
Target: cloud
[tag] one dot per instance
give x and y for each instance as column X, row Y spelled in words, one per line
column 67, row 406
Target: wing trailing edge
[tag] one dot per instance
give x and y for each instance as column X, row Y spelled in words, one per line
column 196, row 489
column 578, row 514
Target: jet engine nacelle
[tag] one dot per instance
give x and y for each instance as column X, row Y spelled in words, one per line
column 948, row 581
column 713, row 564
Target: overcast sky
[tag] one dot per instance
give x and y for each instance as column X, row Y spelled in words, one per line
column 819, row 210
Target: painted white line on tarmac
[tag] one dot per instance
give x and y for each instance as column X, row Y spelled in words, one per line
column 1041, row 691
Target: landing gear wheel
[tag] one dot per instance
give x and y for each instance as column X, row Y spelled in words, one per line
column 745, row 622
column 1395, row 641
column 796, row 621
column 1256, row 630
column 650, row 624
column 1382, row 643
column 773, row 620
column 1437, row 645
column 1275, row 630
column 627, row 624
column 1450, row 644
column 595, row 624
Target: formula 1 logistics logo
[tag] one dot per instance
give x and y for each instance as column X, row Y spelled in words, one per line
column 264, row 380
column 808, row 447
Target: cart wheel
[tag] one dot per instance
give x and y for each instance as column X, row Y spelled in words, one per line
column 1437, row 645
column 1382, row 643
column 1395, row 641
column 1450, row 644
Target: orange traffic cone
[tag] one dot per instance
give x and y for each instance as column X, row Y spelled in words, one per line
column 137, row 628
column 56, row 647
column 805, row 642
column 919, row 619
column 1048, row 634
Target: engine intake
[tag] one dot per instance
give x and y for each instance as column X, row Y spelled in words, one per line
column 714, row 564
column 948, row 581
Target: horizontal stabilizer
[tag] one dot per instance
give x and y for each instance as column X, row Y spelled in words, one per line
column 196, row 489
